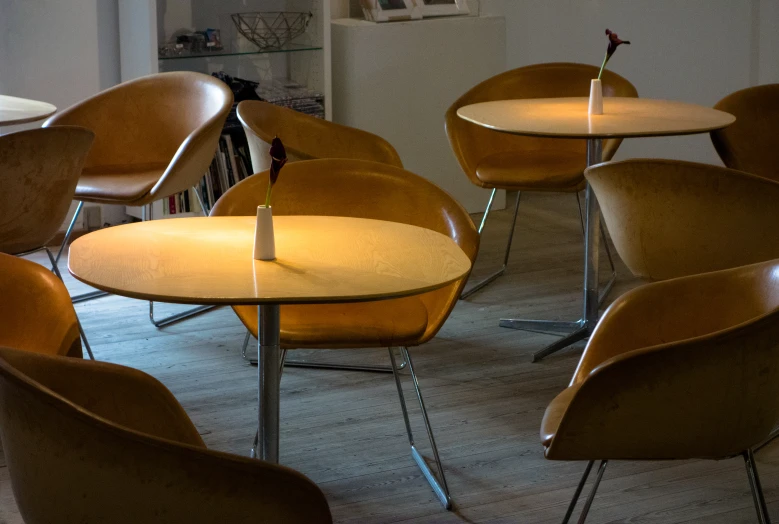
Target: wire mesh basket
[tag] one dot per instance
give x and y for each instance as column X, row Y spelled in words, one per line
column 271, row 29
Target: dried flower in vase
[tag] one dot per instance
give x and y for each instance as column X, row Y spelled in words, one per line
column 278, row 157
column 614, row 42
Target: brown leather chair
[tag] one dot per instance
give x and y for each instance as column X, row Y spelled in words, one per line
column 359, row 188
column 749, row 144
column 39, row 170
column 154, row 137
column 495, row 160
column 681, row 369
column 35, row 309
column 96, row 442
column 306, row 137
column 670, row 218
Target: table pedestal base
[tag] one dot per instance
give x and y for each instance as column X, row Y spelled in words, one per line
column 582, row 328
column 269, row 381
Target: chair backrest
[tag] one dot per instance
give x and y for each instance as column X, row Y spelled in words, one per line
column 359, row 188
column 670, row 218
column 168, row 119
column 89, row 468
column 306, row 137
column 471, row 143
column 749, row 144
column 36, row 313
column 683, row 368
column 39, row 170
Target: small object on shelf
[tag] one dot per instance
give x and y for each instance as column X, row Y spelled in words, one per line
column 272, row 29
column 290, row 94
column 195, row 43
column 390, row 10
column 443, row 7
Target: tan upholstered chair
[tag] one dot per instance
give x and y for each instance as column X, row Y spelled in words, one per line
column 105, row 443
column 154, row 137
column 749, row 144
column 306, row 137
column 495, row 160
column 670, row 218
column 35, row 309
column 681, row 369
column 39, row 170
column 358, row 188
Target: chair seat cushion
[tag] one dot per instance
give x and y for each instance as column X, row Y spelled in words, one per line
column 539, row 170
column 395, row 322
column 554, row 413
column 118, row 184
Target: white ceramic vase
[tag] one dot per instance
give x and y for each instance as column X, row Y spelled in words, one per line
column 264, row 241
column 596, row 98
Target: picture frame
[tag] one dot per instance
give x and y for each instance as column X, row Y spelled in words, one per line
column 443, row 7
column 391, row 10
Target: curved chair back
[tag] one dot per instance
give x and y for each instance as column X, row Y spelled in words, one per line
column 167, row 120
column 306, row 137
column 670, row 218
column 749, row 144
column 36, row 311
column 39, row 170
column 106, row 443
column 471, row 142
column 358, row 188
column 686, row 368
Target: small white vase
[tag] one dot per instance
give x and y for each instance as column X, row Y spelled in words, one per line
column 596, row 98
column 264, row 241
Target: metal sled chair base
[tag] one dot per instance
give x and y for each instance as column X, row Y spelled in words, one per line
column 749, row 461
column 437, row 482
column 317, row 364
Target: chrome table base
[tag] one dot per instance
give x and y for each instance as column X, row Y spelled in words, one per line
column 581, row 329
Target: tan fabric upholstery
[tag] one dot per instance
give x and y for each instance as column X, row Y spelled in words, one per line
column 686, row 368
column 36, row 313
column 306, row 137
column 670, row 218
column 165, row 125
column 358, row 188
column 749, row 144
column 106, row 443
column 39, row 170
column 549, row 164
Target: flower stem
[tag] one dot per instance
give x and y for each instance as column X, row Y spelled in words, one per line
column 267, row 195
column 603, row 66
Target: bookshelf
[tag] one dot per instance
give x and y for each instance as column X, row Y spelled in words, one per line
column 297, row 74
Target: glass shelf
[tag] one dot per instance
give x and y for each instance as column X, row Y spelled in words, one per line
column 287, row 48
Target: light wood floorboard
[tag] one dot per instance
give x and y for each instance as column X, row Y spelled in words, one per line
column 485, row 398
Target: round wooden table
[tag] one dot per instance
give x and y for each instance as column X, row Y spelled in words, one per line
column 319, row 260
column 568, row 118
column 15, row 110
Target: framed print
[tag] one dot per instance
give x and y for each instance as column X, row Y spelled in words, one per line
column 443, row 7
column 388, row 10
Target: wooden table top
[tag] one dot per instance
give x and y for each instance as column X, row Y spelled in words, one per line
column 15, row 110
column 319, row 259
column 621, row 118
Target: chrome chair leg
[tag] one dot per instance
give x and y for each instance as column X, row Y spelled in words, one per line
column 757, row 490
column 318, row 365
column 439, row 486
column 591, row 496
column 578, row 492
column 78, row 322
column 483, row 283
column 178, row 317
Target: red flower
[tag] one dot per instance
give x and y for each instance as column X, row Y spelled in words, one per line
column 278, row 157
column 614, row 41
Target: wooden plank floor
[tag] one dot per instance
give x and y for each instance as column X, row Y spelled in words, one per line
column 485, row 398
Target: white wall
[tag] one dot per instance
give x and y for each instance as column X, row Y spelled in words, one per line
column 695, row 51
column 58, row 52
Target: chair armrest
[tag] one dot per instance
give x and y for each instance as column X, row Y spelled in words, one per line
column 124, row 396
